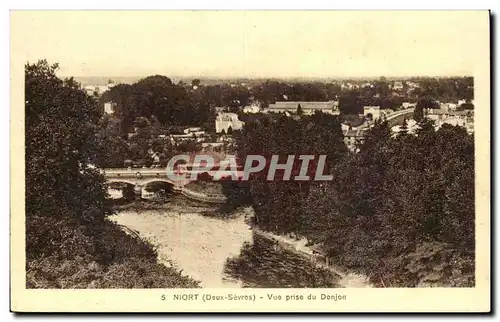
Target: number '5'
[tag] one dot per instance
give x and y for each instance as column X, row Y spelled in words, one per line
column 163, row 297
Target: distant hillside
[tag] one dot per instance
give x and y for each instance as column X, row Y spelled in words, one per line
column 103, row 80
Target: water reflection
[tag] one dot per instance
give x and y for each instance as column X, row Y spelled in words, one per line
column 196, row 244
column 263, row 263
column 222, row 253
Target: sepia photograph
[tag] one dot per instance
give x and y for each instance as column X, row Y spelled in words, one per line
column 217, row 158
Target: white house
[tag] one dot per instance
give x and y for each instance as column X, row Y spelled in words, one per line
column 97, row 89
column 398, row 86
column 109, row 107
column 252, row 109
column 373, row 110
column 345, row 127
column 227, row 122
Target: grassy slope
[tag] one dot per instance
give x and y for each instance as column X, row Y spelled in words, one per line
column 74, row 258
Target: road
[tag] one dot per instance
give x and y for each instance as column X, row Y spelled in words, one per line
column 390, row 117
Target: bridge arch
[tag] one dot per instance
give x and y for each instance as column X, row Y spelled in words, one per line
column 149, row 181
column 119, row 180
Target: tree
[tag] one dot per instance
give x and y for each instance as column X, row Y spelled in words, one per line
column 418, row 113
column 404, row 127
column 195, row 82
column 350, row 103
column 115, row 151
column 69, row 242
column 467, row 106
column 143, row 125
column 382, row 87
column 299, row 110
column 65, row 194
column 61, row 143
column 278, row 204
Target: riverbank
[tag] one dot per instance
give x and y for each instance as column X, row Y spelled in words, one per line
column 160, row 212
column 224, row 252
column 190, row 242
column 180, row 204
column 101, row 255
column 299, row 247
column 188, row 239
column 172, row 203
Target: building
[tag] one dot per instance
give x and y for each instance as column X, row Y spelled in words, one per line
column 412, row 84
column 90, row 90
column 439, row 114
column 221, row 109
column 225, row 138
column 448, row 106
column 374, row 111
column 251, row 109
column 193, row 130
column 406, row 105
column 227, row 122
column 96, row 89
column 200, row 136
column 345, row 127
column 194, row 134
column 444, row 116
column 109, row 107
column 212, row 146
column 398, row 86
column 352, row 137
column 308, row 108
column 320, row 254
column 411, row 127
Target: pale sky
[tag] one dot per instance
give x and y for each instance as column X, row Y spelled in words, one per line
column 252, row 43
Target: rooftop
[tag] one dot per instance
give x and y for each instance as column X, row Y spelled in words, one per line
column 354, row 132
column 303, row 105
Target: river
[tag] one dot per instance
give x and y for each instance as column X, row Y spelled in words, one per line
column 221, row 250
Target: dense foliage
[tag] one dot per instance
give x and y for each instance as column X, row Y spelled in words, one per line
column 400, row 211
column 319, row 134
column 158, row 96
column 194, row 104
column 156, row 106
column 69, row 241
column 256, row 267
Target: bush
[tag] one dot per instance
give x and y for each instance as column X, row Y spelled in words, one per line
column 108, row 259
column 69, row 242
column 400, row 211
column 83, row 272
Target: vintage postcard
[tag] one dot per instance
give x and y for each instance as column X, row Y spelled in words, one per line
column 250, row 161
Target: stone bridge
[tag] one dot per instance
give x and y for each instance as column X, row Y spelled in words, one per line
column 390, row 117
column 140, row 178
